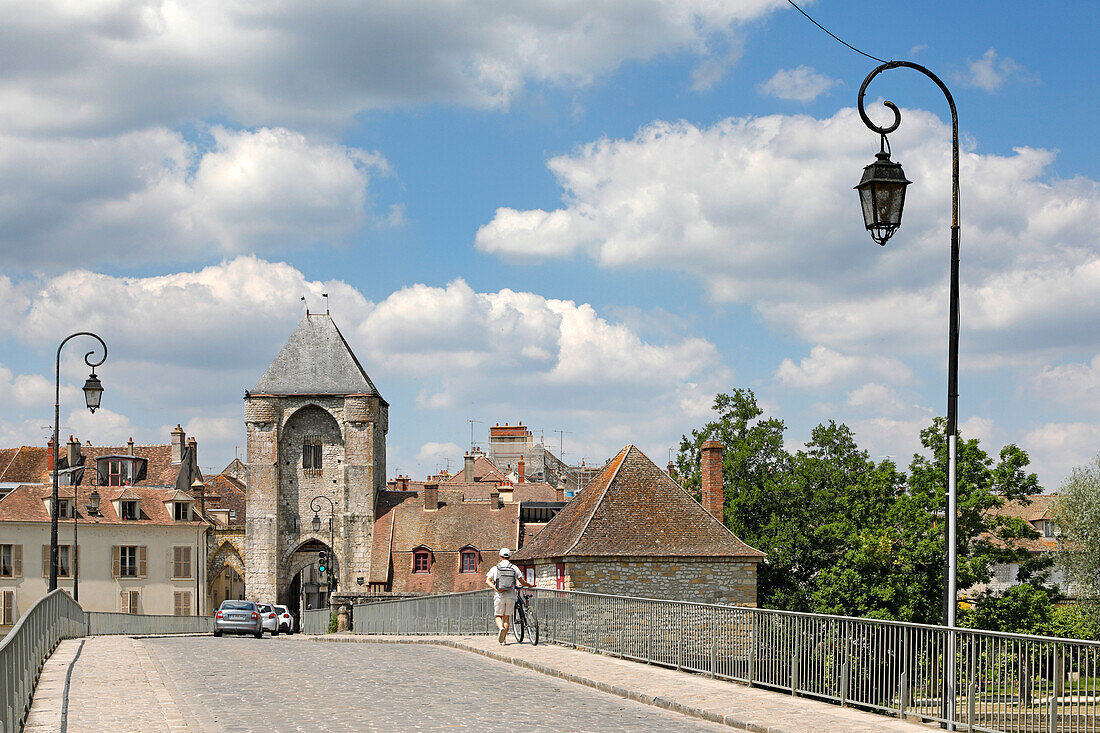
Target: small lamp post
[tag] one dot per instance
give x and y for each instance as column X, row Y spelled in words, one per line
column 93, row 393
column 315, row 505
column 882, row 195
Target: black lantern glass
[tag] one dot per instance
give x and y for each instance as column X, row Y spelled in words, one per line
column 93, row 503
column 882, row 196
column 316, row 522
column 93, row 392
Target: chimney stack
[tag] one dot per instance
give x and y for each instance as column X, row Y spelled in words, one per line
column 494, row 500
column 468, row 468
column 713, row 495
column 73, row 456
column 559, row 493
column 130, row 445
column 521, row 470
column 177, row 444
column 193, row 446
column 49, row 456
column 431, row 496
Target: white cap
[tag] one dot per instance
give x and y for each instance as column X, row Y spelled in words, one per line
column 505, row 552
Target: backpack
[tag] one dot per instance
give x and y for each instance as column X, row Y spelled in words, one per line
column 506, row 576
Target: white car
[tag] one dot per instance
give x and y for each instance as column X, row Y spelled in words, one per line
column 286, row 621
column 269, row 617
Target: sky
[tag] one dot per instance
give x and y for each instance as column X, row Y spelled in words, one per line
column 590, row 217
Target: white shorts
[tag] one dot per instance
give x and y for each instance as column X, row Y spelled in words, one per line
column 504, row 602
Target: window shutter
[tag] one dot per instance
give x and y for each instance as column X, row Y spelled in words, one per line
column 186, row 552
column 7, row 608
column 134, row 596
column 45, row 561
column 142, row 564
column 116, row 561
column 177, row 605
column 124, row 601
column 17, row 561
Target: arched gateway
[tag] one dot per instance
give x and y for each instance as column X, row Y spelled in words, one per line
column 316, row 430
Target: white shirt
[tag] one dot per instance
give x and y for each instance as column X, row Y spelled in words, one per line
column 494, row 573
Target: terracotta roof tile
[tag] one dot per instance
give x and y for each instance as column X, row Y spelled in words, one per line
column 25, row 504
column 633, row 508
column 28, row 464
column 483, row 469
column 226, row 492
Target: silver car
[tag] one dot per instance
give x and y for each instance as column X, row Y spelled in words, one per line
column 269, row 617
column 238, row 617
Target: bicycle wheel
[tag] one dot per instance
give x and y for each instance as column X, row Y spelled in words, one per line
column 518, row 623
column 533, row 625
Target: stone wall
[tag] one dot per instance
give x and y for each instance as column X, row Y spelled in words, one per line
column 702, row 580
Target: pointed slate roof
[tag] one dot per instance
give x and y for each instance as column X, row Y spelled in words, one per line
column 315, row 360
column 633, row 508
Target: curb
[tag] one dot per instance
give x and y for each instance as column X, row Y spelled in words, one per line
column 660, row 702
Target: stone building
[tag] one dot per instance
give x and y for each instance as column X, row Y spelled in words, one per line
column 316, row 434
column 635, row 531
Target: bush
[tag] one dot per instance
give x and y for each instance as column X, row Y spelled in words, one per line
column 332, row 623
column 1021, row 609
column 1075, row 621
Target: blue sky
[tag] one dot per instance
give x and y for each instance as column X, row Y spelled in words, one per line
column 586, row 216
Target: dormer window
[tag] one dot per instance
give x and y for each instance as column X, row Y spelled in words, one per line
column 129, row 509
column 422, row 560
column 311, row 454
column 64, row 509
column 181, row 511
column 120, row 472
column 469, row 560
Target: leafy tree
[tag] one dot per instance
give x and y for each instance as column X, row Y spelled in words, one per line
column 1076, row 511
column 1079, row 620
column 1020, row 609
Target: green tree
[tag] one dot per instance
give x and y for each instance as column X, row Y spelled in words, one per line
column 1076, row 511
column 1020, row 609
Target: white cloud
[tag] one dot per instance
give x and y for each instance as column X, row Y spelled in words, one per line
column 30, row 390
column 105, row 66
column 800, row 84
column 438, row 453
column 761, row 211
column 1076, row 385
column 875, row 397
column 1056, row 448
column 152, row 195
column 107, row 427
column 990, row 72
column 825, row 367
column 984, row 430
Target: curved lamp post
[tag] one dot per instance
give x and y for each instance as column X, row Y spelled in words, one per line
column 315, row 505
column 882, row 196
column 93, row 393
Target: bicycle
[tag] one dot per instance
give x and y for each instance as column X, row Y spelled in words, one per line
column 524, row 618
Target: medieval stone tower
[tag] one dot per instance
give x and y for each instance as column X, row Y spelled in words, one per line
column 316, row 427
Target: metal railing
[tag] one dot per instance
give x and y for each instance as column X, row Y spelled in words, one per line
column 976, row 680
column 315, row 621
column 26, row 647
column 102, row 623
column 56, row 616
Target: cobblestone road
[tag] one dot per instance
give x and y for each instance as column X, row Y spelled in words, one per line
column 293, row 684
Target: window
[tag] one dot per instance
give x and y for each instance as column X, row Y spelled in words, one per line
column 181, row 562
column 129, row 601
column 11, row 561
column 120, row 473
column 128, row 562
column 181, row 603
column 422, row 561
column 64, row 561
column 232, row 515
column 7, row 607
column 1048, row 528
column 311, row 454
column 469, row 561
column 181, row 510
column 64, row 509
column 559, row 576
column 129, row 510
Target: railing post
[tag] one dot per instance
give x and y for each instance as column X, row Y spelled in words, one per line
column 844, row 676
column 1056, row 683
column 714, row 654
column 903, row 695
column 680, row 639
column 752, row 663
column 794, row 674
column 971, row 695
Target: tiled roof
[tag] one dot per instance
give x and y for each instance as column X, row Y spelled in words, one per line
column 633, row 508
column 28, row 464
column 483, row 469
column 315, row 360
column 160, row 471
column 471, row 491
column 26, row 504
column 1033, row 512
column 226, row 492
column 402, row 525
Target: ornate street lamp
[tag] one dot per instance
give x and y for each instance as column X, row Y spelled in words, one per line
column 93, row 392
column 315, row 505
column 882, row 194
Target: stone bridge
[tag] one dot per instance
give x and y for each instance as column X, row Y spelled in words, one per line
column 364, row 683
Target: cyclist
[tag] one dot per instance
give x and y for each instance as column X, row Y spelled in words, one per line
column 504, row 578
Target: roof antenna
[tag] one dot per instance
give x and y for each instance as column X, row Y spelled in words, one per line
column 325, row 296
column 307, row 304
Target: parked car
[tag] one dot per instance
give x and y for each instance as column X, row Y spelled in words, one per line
column 286, row 621
column 270, row 617
column 238, row 617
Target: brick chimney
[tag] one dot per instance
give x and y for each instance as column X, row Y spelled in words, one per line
column 468, row 468
column 178, row 437
column 559, row 493
column 671, row 471
column 49, row 455
column 73, row 456
column 714, row 497
column 521, row 471
column 193, row 445
column 130, row 445
column 494, row 500
column 431, row 496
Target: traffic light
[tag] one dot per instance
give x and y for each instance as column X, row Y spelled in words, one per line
column 322, row 562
